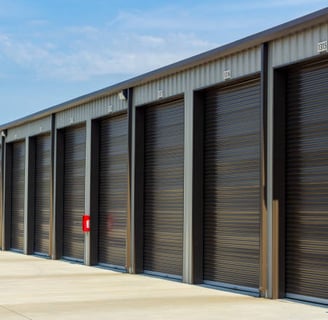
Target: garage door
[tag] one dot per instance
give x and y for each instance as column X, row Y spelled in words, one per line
column 163, row 193
column 113, row 190
column 232, row 186
column 307, row 182
column 42, row 195
column 17, row 196
column 74, row 195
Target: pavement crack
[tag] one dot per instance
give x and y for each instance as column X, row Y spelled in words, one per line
column 13, row 311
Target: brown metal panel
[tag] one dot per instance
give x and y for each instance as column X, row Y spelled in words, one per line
column 197, row 188
column 278, row 187
column 30, row 194
column 74, row 192
column 42, row 195
column 94, row 191
column 17, row 196
column 52, row 187
column 264, row 79
column 129, row 243
column 138, row 226
column 7, row 170
column 113, row 191
column 58, row 200
column 306, row 181
column 232, row 186
column 163, row 188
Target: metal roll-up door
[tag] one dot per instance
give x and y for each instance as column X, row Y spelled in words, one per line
column 307, row 183
column 232, row 186
column 113, row 191
column 17, row 196
column 74, row 192
column 42, row 195
column 163, row 188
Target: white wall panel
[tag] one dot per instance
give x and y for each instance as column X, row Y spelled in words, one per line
column 29, row 129
column 90, row 110
column 241, row 64
column 298, row 46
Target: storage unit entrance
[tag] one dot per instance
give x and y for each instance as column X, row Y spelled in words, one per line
column 163, row 199
column 17, row 196
column 74, row 192
column 42, row 191
column 231, row 200
column 113, row 191
column 306, row 182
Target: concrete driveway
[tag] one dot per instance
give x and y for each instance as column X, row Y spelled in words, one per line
column 40, row 289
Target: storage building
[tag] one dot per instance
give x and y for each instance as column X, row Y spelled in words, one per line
column 212, row 170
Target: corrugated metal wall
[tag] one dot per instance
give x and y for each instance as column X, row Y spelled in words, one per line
column 92, row 110
column 30, row 129
column 240, row 64
column 298, row 46
column 293, row 48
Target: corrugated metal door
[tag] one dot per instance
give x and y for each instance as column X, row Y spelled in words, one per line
column 113, row 190
column 42, row 194
column 17, row 196
column 163, row 188
column 232, row 186
column 307, row 182
column 74, row 192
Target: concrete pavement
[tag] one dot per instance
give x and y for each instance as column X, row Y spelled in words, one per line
column 41, row 289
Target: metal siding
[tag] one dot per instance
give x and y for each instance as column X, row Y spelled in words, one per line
column 17, row 196
column 42, row 194
column 92, row 110
column 298, row 46
column 306, row 182
column 256, row 40
column 30, row 129
column 113, row 190
column 164, row 191
column 74, row 191
column 241, row 64
column 232, row 185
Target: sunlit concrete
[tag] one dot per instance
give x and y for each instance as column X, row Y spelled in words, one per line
column 39, row 289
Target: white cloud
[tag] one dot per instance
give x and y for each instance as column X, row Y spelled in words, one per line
column 80, row 53
column 134, row 42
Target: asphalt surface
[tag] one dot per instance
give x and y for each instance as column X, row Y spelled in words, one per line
column 41, row 289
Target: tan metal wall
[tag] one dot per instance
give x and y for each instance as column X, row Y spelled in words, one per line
column 29, row 129
column 240, row 64
column 92, row 110
column 298, row 46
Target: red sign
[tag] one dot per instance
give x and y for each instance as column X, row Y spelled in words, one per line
column 86, row 223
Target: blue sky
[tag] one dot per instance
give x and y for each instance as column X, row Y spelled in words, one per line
column 55, row 50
